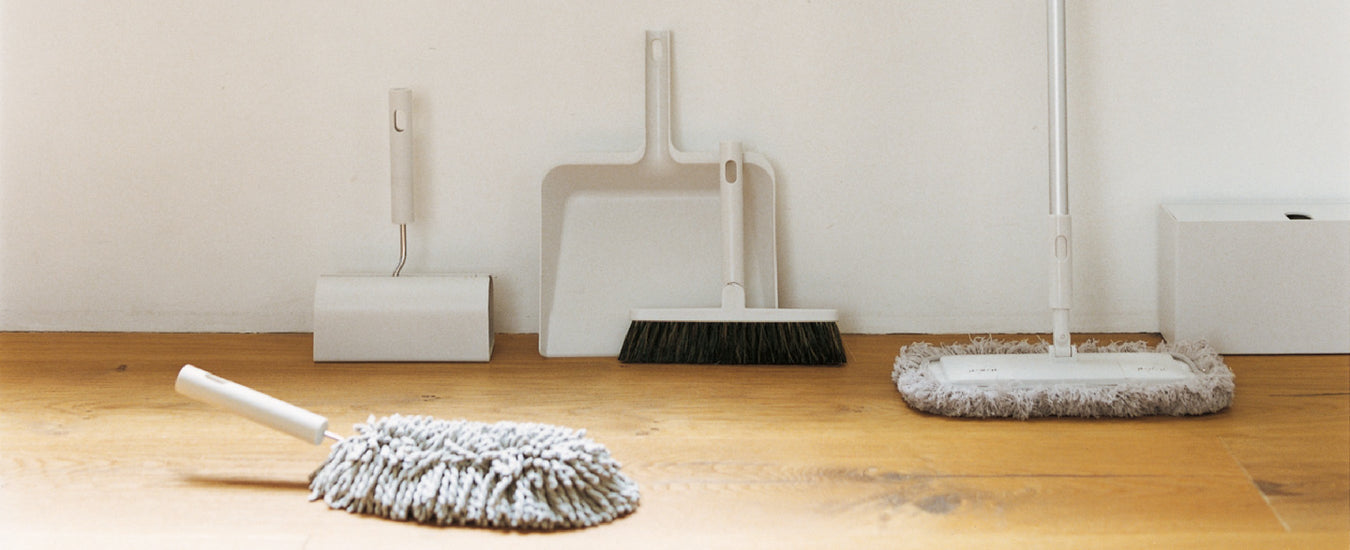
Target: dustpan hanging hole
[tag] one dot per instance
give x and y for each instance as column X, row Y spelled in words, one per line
column 658, row 50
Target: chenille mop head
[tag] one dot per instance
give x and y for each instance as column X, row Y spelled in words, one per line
column 1123, row 379
column 445, row 472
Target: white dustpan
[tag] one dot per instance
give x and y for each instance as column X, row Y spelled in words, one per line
column 430, row 317
column 642, row 229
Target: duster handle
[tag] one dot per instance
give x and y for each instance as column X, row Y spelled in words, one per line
column 252, row 404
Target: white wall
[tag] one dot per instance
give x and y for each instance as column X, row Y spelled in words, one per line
column 194, row 166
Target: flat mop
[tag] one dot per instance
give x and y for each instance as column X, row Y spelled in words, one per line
column 734, row 334
column 428, row 317
column 990, row 378
column 507, row 475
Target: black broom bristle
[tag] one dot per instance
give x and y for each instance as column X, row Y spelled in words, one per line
column 734, row 343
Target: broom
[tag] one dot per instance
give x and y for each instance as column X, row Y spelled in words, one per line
column 444, row 472
column 734, row 334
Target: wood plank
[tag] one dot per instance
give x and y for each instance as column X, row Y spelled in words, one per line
column 96, row 450
column 1292, row 436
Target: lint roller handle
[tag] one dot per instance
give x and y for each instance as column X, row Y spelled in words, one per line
column 252, row 404
column 731, row 172
column 401, row 155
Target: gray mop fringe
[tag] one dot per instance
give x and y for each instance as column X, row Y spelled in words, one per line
column 1210, row 391
column 509, row 475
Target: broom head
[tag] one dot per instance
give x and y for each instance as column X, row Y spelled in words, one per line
column 734, row 336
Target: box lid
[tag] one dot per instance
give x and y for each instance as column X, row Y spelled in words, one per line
column 1246, row 212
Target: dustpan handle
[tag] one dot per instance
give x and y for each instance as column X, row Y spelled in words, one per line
column 252, row 404
column 658, row 143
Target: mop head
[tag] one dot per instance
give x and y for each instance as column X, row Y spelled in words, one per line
column 504, row 475
column 1209, row 390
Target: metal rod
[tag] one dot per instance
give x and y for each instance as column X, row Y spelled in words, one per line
column 1059, row 142
column 402, row 247
column 332, row 436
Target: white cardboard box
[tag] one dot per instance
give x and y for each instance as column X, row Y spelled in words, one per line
column 1249, row 279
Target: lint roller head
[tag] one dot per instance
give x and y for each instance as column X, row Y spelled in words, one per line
column 253, row 405
column 401, row 155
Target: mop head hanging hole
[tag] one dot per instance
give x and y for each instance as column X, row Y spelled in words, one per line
column 507, row 475
column 1208, row 388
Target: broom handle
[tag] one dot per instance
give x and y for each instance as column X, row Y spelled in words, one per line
column 253, row 405
column 731, row 173
column 1061, row 268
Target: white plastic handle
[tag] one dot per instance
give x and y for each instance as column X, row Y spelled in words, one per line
column 731, row 171
column 1061, row 284
column 252, row 404
column 401, row 155
column 658, row 144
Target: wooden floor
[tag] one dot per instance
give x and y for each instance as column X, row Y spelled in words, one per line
column 97, row 451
